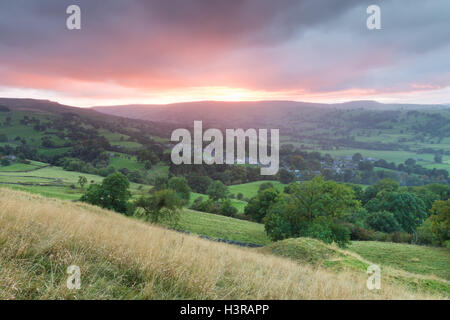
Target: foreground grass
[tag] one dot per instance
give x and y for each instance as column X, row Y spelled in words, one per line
column 123, row 258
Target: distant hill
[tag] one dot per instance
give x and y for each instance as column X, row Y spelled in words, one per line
column 243, row 112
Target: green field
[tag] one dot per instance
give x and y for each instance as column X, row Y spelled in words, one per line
column 122, row 160
column 250, row 189
column 411, row 258
column 240, row 205
column 55, row 182
column 415, row 267
column 217, row 226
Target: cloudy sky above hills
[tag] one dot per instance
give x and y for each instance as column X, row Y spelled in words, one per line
column 141, row 51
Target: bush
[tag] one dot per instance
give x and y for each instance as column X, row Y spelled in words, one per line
column 209, row 205
column 227, row 209
column 401, row 237
column 425, row 234
column 161, row 206
column 340, row 234
column 382, row 236
column 240, row 196
column 358, row 233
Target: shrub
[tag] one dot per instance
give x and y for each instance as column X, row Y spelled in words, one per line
column 227, row 209
column 161, row 206
column 440, row 220
column 401, row 237
column 382, row 236
column 240, row 196
column 425, row 234
column 209, row 205
column 359, row 233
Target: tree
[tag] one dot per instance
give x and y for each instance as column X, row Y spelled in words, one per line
column 265, row 185
column 384, row 185
column 440, row 221
column 317, row 197
column 357, row 157
column 383, row 221
column 82, row 180
column 199, row 183
column 311, row 209
column 227, row 209
column 147, row 155
column 217, row 190
column 410, row 162
column 112, row 193
column 408, row 209
column 161, row 206
column 286, row 176
column 180, row 186
column 258, row 206
column 161, row 182
column 365, row 166
column 5, row 162
column 438, row 158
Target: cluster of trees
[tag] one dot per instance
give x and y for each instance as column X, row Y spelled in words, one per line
column 411, row 167
column 218, row 201
column 228, row 174
column 310, row 209
column 334, row 212
column 393, row 213
column 160, row 206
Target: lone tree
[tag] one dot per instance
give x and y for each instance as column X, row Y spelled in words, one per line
column 161, row 206
column 112, row 194
column 82, row 181
column 437, row 158
column 357, row 157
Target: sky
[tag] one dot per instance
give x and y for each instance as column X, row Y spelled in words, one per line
column 144, row 51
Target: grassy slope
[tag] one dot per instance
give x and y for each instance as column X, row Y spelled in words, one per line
column 415, row 274
column 412, row 258
column 217, row 226
column 123, row 258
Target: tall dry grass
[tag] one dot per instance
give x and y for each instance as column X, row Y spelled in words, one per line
column 121, row 257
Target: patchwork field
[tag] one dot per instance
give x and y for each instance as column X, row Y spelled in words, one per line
column 53, row 181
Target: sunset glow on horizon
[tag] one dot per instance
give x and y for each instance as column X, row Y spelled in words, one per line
column 149, row 52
